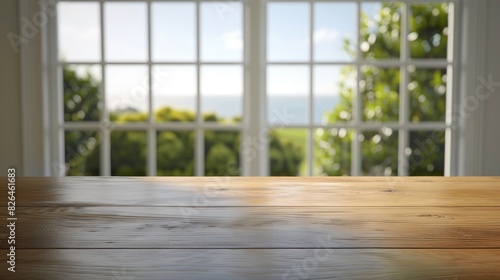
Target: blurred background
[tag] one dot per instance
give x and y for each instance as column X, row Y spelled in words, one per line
column 350, row 88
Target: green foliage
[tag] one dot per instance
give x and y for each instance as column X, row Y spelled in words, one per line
column 379, row 90
column 286, row 152
column 333, row 152
column 380, row 36
column 81, row 96
column 128, row 153
column 82, row 152
column 430, row 23
column 175, row 153
column 175, row 149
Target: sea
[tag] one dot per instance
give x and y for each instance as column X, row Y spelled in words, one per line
column 290, row 109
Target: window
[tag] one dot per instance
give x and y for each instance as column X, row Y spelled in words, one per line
column 166, row 87
column 151, row 88
column 367, row 86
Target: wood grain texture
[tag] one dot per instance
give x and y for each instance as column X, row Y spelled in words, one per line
column 255, row 228
column 258, row 191
column 259, row 264
column 258, row 227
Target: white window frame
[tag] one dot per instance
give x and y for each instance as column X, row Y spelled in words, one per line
column 42, row 118
column 151, row 127
column 403, row 126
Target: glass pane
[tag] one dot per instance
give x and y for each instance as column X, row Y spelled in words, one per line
column 287, row 94
column 379, row 152
column 125, row 31
column 287, row 149
column 427, row 88
column 173, row 31
column 332, row 151
column 426, row 153
column 82, row 100
column 335, row 31
column 127, row 92
column 175, row 153
column 221, row 31
column 288, row 32
column 379, row 89
column 380, row 30
column 222, row 93
column 428, row 35
column 128, row 153
column 222, row 153
column 79, row 31
column 81, row 153
column 334, row 89
column 174, row 93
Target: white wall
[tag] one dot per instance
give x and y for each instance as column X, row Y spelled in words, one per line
column 491, row 117
column 10, row 93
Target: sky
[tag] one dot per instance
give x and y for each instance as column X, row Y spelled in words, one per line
column 174, row 40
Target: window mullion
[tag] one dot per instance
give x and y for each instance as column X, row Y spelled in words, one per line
column 310, row 140
column 105, row 155
column 255, row 144
column 151, row 137
column 199, row 144
column 451, row 134
column 356, row 103
column 403, row 141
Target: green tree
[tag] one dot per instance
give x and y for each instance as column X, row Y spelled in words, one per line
column 285, row 155
column 81, row 103
column 81, row 96
column 379, row 90
column 175, row 149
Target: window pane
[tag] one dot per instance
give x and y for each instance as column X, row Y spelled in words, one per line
column 222, row 93
column 335, row 33
column 287, row 152
column 175, row 153
column 173, row 31
column 79, row 31
column 81, row 153
column 82, row 100
column 127, row 92
column 380, row 152
column 426, row 153
column 380, row 30
column 428, row 35
column 288, row 32
column 128, row 153
column 221, row 31
column 427, row 88
column 379, row 89
column 222, row 153
column 287, row 94
column 334, row 89
column 125, row 31
column 174, row 93
column 332, row 151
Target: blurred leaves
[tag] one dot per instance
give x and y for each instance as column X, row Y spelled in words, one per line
column 81, row 152
column 81, row 96
column 428, row 36
column 379, row 89
column 175, row 149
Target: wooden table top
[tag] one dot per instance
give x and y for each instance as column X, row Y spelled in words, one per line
column 124, row 228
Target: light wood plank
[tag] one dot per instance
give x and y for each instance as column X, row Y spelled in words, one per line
column 258, row 227
column 257, row 191
column 222, row 264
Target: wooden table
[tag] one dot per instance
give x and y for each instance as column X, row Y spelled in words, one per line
column 255, row 228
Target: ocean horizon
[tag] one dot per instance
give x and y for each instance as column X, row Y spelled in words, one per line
column 295, row 108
